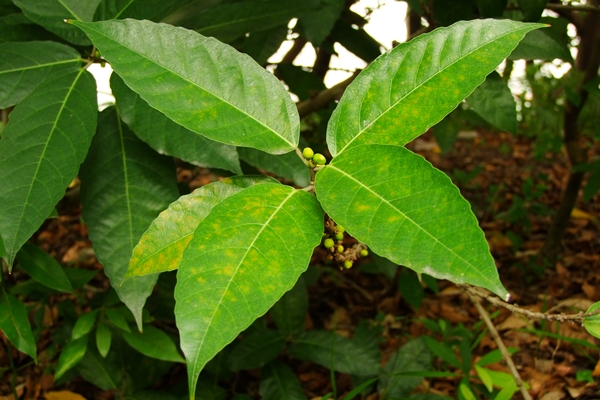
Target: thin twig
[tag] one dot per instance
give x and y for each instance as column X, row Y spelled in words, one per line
column 505, row 354
column 579, row 317
column 323, row 98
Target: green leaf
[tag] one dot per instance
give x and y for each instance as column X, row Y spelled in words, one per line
column 41, row 149
column 359, row 389
column 103, row 338
column 24, row 65
column 71, row 355
column 51, row 14
column 494, row 356
column 153, row 343
column 532, row 9
column 84, row 324
column 409, row 212
column 167, row 137
column 263, row 44
column 318, row 25
column 106, row 374
column 252, row 106
column 138, row 9
column 493, row 101
column 118, row 320
column 357, row 41
column 278, row 382
column 547, row 44
column 78, row 277
column 408, row 90
column 124, row 185
column 287, row 166
column 413, row 356
column 411, row 289
column 336, row 352
column 256, row 349
column 15, row 325
column 227, row 22
column 43, row 268
column 592, row 324
column 161, row 247
column 289, row 313
column 302, row 83
column 250, row 249
column 491, row 8
column 485, row 377
column 447, row 12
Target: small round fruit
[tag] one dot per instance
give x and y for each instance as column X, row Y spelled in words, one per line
column 319, row 159
column 340, row 249
column 328, row 243
column 347, row 264
column 364, row 252
column 308, row 153
column 339, row 235
column 340, row 228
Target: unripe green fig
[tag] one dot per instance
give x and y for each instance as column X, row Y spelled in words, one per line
column 328, row 243
column 339, row 235
column 364, row 252
column 308, row 153
column 319, row 159
column 340, row 228
column 340, row 249
column 348, row 264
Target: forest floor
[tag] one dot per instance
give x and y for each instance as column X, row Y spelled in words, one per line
column 513, row 196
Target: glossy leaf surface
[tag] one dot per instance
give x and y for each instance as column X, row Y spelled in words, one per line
column 546, row 44
column 408, row 90
column 71, row 355
column 153, row 343
column 493, row 101
column 409, row 212
column 124, row 186
column 278, row 381
column 287, row 166
column 41, row 149
column 167, row 137
column 250, row 250
column 51, row 14
column 42, row 267
column 218, row 93
column 336, row 352
column 24, row 65
column 15, row 325
column 161, row 247
column 84, row 324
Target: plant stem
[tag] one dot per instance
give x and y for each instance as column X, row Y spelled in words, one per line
column 11, row 363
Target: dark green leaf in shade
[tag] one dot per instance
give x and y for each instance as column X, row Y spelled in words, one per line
column 336, row 352
column 493, row 101
column 16, row 27
column 491, row 8
column 278, row 381
column 446, row 132
column 42, row 146
column 217, row 92
column 209, row 390
column 263, row 44
column 71, row 355
column 229, row 21
column 15, row 325
column 447, row 12
column 302, row 83
column 317, row 26
column 409, row 212
column 161, row 247
column 380, row 265
column 167, row 137
column 532, row 9
column 546, row 44
column 287, row 166
column 51, row 14
column 256, row 349
column 24, row 65
column 43, row 268
column 124, row 186
column 103, row 338
column 2, row 250
column 104, row 373
column 84, row 324
column 392, row 101
column 78, row 277
column 410, row 288
column 153, row 343
column 244, row 256
column 289, row 313
column 443, row 351
column 413, row 356
column 592, row 324
column 357, row 41
column 118, row 320
column 151, row 10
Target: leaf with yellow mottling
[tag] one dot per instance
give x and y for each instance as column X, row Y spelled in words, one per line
column 408, row 211
column 246, row 267
column 161, row 247
column 411, row 88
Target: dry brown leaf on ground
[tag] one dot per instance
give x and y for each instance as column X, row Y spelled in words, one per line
column 63, row 395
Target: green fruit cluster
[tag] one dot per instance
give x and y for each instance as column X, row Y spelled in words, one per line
column 313, row 158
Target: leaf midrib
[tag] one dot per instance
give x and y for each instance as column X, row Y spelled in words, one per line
column 90, row 25
column 258, row 234
column 7, row 71
column 422, row 84
column 411, row 221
